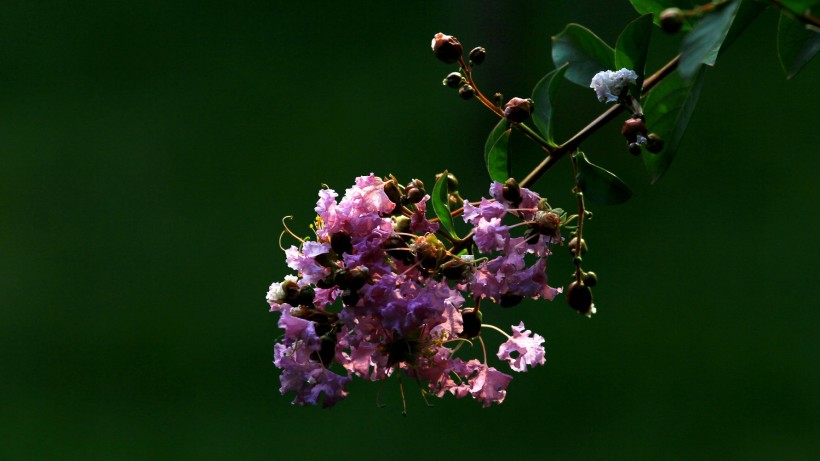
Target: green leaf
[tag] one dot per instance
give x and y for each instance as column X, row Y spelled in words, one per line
column 748, row 12
column 498, row 164
column 441, row 205
column 585, row 53
column 701, row 46
column 799, row 6
column 668, row 109
column 657, row 6
column 490, row 147
column 599, row 185
column 796, row 44
column 543, row 94
column 631, row 49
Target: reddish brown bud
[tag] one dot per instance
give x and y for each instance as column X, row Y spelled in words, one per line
column 453, row 80
column 446, row 48
column 654, row 143
column 466, row 92
column 415, row 191
column 579, row 297
column 511, row 192
column 518, row 109
column 340, row 243
column 472, row 323
column 510, row 300
column 477, row 55
column 633, row 128
column 547, row 223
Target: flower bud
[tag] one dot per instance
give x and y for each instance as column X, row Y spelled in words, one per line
column 477, row 55
column 340, row 243
column 590, row 279
column 396, row 247
column 326, row 259
column 327, row 349
column 471, row 323
column 547, row 223
column 632, row 128
column 573, row 246
column 672, row 20
column 511, row 192
column 446, row 48
column 456, row 269
column 453, row 80
column 415, row 191
column 518, row 109
column 394, row 191
column 350, row 297
column 579, row 297
column 510, row 300
column 306, row 295
column 401, row 224
column 292, row 292
column 634, row 148
column 357, row 277
column 654, row 143
column 326, row 282
column 466, row 92
column 429, row 250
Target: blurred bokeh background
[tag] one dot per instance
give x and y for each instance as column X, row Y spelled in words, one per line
column 148, row 151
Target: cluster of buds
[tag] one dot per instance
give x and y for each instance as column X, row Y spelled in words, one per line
column 378, row 292
column 635, row 131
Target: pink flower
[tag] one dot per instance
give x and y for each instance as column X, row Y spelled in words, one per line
column 522, row 349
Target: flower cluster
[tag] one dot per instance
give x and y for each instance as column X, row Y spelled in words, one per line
column 378, row 292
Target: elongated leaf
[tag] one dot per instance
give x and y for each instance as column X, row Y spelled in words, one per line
column 746, row 13
column 701, row 46
column 495, row 134
column 631, row 49
column 585, row 53
column 668, row 109
column 599, row 185
column 543, row 94
column 657, row 6
column 796, row 44
column 441, row 204
column 498, row 164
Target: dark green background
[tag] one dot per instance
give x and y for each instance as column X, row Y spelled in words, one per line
column 149, row 150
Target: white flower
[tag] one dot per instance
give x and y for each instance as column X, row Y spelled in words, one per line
column 276, row 294
column 608, row 84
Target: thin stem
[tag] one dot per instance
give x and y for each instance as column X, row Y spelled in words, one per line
column 483, row 348
column 529, row 132
column 496, row 329
column 594, row 126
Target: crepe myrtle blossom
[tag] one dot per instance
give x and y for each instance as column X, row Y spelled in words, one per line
column 376, row 293
column 609, row 85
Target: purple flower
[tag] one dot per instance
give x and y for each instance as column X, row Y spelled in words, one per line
column 491, row 235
